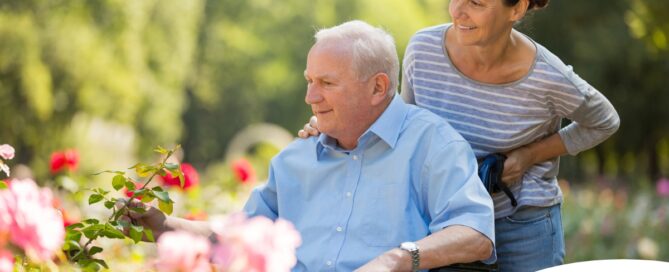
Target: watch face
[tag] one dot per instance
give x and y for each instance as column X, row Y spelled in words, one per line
column 409, row 246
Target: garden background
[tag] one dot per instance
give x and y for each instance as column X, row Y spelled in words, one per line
column 108, row 80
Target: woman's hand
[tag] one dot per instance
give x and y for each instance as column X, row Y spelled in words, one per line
column 310, row 129
column 516, row 164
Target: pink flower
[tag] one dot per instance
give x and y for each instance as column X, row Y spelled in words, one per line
column 68, row 159
column 244, row 171
column 183, row 251
column 6, row 261
column 26, row 211
column 6, row 152
column 191, row 177
column 662, row 187
column 255, row 245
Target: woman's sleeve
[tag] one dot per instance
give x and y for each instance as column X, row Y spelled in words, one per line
column 593, row 121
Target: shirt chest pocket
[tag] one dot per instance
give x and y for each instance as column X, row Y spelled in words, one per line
column 384, row 215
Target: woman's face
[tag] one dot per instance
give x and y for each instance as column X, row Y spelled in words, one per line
column 480, row 22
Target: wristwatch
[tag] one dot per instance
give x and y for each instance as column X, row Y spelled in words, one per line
column 412, row 248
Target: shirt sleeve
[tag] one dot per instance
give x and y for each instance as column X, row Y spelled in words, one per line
column 455, row 194
column 263, row 199
column 593, row 121
column 593, row 118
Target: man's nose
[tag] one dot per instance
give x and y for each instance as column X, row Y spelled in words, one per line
column 313, row 95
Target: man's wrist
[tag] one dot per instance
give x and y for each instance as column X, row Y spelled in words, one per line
column 414, row 253
column 402, row 259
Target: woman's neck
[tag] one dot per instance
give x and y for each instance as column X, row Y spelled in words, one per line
column 504, row 59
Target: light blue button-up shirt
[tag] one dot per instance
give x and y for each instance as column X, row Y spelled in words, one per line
column 410, row 175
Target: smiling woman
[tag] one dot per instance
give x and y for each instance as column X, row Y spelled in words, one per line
column 507, row 94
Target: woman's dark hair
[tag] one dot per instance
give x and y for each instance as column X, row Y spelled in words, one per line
column 534, row 4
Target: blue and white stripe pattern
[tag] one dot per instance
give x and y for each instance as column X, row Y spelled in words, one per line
column 502, row 117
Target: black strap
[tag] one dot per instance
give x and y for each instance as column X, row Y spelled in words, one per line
column 490, row 172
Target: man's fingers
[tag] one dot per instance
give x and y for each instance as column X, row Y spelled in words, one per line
column 302, row 134
column 134, row 204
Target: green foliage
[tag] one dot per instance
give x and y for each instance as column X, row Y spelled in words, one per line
column 79, row 252
column 122, row 61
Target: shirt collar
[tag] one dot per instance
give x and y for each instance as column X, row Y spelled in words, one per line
column 387, row 127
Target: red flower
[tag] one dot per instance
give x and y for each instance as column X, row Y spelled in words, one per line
column 68, row 159
column 191, row 177
column 244, row 171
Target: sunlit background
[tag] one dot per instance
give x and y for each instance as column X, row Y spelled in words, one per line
column 111, row 79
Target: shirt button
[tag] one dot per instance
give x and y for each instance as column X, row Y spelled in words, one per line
column 355, row 157
column 348, row 194
column 339, row 229
column 328, row 263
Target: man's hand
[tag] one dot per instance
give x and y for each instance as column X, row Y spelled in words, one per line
column 152, row 218
column 310, row 129
column 395, row 260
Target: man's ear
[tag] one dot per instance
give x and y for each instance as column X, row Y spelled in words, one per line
column 518, row 11
column 381, row 85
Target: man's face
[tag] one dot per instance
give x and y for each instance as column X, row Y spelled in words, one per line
column 340, row 100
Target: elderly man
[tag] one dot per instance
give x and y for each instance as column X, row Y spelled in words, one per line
column 387, row 186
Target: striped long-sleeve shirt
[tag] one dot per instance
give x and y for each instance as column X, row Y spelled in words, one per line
column 496, row 118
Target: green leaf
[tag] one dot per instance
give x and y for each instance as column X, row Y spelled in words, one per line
column 182, row 180
column 144, row 170
column 161, row 150
column 130, row 185
column 137, row 209
column 118, row 182
column 71, row 245
column 111, row 232
column 163, row 196
column 136, row 233
column 101, row 191
column 74, row 226
column 172, row 166
column 3, row 185
column 91, row 230
column 101, row 262
column 109, row 171
column 73, row 236
column 148, row 197
column 166, row 207
column 149, row 235
column 94, row 250
column 109, row 204
column 157, row 189
column 94, row 198
column 91, row 221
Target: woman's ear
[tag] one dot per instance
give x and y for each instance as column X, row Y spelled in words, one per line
column 519, row 10
column 381, row 85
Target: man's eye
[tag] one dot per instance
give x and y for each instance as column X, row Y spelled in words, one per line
column 476, row 3
column 327, row 83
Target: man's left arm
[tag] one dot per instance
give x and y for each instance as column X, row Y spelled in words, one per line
column 461, row 213
column 454, row 244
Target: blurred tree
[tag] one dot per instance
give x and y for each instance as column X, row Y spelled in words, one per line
column 122, row 61
column 595, row 38
column 252, row 55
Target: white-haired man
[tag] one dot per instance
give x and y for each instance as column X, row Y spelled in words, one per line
column 387, row 186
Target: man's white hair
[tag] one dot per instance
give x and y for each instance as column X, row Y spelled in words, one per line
column 373, row 49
